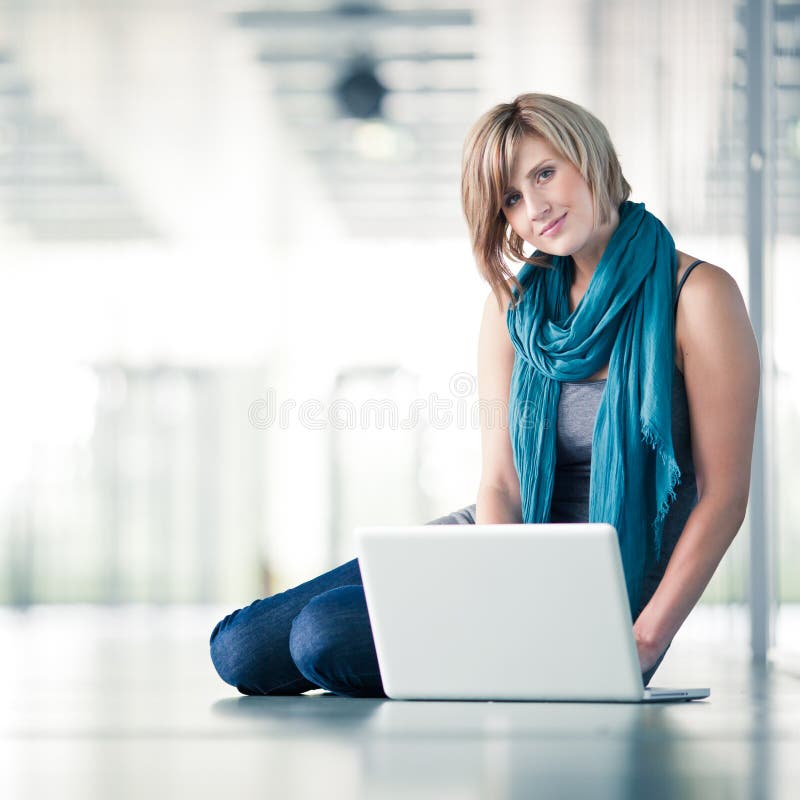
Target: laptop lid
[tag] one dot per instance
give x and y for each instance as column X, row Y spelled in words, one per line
column 500, row 612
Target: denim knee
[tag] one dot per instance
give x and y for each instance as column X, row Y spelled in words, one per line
column 229, row 653
column 312, row 642
column 331, row 644
column 245, row 658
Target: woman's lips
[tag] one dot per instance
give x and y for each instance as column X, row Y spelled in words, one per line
column 553, row 227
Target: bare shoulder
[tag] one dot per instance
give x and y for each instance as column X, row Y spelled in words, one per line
column 495, row 349
column 712, row 323
column 495, row 309
column 708, row 289
column 703, row 268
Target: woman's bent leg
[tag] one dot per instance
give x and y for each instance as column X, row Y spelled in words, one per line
column 250, row 647
column 331, row 643
column 331, row 640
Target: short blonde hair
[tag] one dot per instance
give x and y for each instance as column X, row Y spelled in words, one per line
column 573, row 132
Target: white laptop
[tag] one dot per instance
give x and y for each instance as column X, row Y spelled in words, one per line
column 503, row 612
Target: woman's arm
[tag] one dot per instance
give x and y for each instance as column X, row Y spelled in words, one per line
column 721, row 372
column 498, row 493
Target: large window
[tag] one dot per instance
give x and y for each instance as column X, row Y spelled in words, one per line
column 193, row 216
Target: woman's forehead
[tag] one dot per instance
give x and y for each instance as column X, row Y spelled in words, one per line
column 529, row 151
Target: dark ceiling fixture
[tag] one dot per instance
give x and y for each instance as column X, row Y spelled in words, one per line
column 378, row 94
column 359, row 92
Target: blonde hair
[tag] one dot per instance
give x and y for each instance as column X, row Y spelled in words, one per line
column 573, row 132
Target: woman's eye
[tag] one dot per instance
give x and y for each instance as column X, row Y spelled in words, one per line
column 546, row 173
column 511, row 200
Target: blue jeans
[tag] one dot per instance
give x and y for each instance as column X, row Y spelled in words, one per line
column 316, row 635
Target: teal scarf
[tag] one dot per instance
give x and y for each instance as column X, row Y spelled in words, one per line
column 624, row 320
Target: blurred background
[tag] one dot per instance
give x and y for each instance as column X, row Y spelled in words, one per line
column 239, row 312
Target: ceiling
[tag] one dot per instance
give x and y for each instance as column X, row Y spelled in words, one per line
column 50, row 186
column 379, row 97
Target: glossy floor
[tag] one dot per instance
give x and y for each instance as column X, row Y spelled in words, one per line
column 104, row 703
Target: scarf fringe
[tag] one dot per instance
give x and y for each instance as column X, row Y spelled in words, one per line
column 654, row 441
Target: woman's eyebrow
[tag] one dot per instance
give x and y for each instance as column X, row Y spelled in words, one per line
column 538, row 166
column 531, row 171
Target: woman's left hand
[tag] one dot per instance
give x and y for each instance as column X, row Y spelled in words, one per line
column 648, row 653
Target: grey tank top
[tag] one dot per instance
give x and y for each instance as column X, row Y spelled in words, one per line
column 577, row 411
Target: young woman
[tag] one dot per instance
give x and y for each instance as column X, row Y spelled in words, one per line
column 628, row 392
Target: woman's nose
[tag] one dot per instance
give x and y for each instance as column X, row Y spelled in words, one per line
column 535, row 205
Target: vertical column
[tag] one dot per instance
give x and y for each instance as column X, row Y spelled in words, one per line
column 758, row 25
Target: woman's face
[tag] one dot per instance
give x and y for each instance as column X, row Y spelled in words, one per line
column 548, row 203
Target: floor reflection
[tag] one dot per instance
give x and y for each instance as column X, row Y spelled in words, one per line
column 114, row 704
column 323, row 713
